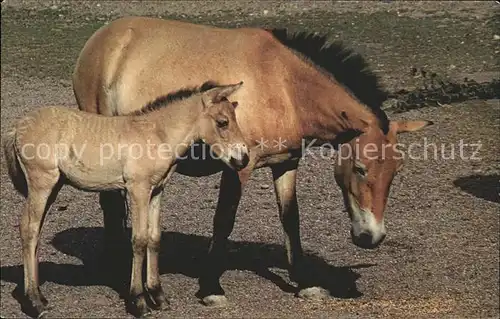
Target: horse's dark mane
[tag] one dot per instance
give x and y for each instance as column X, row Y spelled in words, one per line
column 344, row 65
column 181, row 94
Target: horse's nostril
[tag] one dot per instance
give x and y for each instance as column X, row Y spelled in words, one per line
column 364, row 239
column 381, row 239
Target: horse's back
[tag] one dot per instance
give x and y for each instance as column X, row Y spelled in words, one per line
column 133, row 60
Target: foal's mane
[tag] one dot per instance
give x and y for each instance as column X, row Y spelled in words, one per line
column 184, row 93
column 344, row 65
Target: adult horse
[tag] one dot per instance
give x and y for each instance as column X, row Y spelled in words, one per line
column 297, row 90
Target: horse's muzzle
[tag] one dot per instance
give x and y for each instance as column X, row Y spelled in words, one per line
column 367, row 240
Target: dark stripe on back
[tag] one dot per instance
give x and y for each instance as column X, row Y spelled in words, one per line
column 181, row 94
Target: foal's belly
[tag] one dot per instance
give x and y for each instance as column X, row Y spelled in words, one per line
column 93, row 177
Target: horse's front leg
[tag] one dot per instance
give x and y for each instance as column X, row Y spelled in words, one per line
column 138, row 196
column 153, row 282
column 231, row 188
column 284, row 176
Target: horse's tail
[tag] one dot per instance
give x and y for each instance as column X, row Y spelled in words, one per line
column 14, row 169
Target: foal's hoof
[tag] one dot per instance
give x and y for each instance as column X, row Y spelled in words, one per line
column 215, row 301
column 36, row 309
column 35, row 305
column 43, row 314
column 158, row 299
column 138, row 307
column 313, row 293
column 44, row 300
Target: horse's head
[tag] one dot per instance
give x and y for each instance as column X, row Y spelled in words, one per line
column 366, row 167
column 219, row 129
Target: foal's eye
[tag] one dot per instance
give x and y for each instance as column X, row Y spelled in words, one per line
column 221, row 123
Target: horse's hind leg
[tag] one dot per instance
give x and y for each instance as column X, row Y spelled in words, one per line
column 284, row 176
column 153, row 281
column 229, row 198
column 116, row 253
column 114, row 209
column 42, row 191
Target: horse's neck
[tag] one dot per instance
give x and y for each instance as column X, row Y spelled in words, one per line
column 174, row 123
column 324, row 107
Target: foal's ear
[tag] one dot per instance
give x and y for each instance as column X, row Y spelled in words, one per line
column 217, row 94
column 409, row 126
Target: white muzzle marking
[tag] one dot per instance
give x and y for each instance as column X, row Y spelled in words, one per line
column 238, row 151
column 364, row 222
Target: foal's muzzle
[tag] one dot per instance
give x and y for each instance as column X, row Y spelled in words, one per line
column 239, row 156
column 240, row 163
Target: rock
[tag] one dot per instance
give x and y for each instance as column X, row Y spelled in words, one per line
column 313, row 294
column 215, row 301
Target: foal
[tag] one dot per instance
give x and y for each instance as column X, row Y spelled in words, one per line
column 137, row 153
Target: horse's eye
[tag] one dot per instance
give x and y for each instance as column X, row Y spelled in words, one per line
column 358, row 169
column 222, row 123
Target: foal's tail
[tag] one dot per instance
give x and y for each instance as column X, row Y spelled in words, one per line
column 15, row 171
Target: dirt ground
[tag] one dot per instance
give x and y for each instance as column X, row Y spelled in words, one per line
column 441, row 257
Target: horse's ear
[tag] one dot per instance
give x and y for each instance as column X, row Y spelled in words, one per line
column 409, row 126
column 219, row 93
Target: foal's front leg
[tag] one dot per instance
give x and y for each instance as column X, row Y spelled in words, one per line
column 154, row 287
column 138, row 196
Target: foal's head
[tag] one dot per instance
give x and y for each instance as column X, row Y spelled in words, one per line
column 219, row 129
column 365, row 170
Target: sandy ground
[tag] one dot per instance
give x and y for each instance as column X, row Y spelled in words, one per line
column 441, row 255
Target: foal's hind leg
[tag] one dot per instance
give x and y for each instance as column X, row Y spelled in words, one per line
column 284, row 176
column 229, row 198
column 138, row 196
column 153, row 282
column 40, row 187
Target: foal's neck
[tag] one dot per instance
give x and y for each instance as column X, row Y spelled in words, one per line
column 325, row 107
column 178, row 118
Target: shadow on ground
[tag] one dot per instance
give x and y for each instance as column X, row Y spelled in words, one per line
column 181, row 254
column 483, row 186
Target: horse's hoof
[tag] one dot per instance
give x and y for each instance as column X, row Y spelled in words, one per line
column 215, row 301
column 312, row 293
